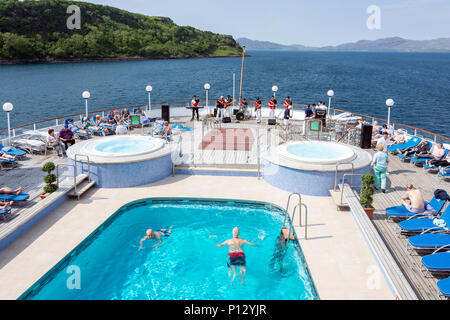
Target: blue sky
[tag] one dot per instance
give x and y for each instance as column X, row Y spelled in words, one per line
column 313, row 23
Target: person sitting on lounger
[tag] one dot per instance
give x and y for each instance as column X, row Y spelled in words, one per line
column 9, row 191
column 8, row 157
column 413, row 200
column 157, row 235
column 166, row 131
column 121, row 129
column 126, row 115
column 111, row 119
column 440, row 163
column 87, row 124
column 5, row 205
column 422, row 148
column 437, row 154
column 102, row 125
column 397, row 138
column 76, row 129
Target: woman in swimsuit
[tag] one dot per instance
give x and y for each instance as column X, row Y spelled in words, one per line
column 237, row 255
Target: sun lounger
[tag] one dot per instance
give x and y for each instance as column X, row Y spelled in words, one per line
column 421, row 161
column 12, row 197
column 444, row 172
column 444, row 287
column 400, row 212
column 3, row 213
column 8, row 164
column 438, row 262
column 12, row 152
column 429, row 241
column 405, row 158
column 419, row 225
column 411, row 143
column 30, row 145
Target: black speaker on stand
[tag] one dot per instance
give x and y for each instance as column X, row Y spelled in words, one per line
column 165, row 113
column 366, row 136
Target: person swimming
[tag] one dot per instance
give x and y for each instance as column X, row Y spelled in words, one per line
column 237, row 255
column 151, row 234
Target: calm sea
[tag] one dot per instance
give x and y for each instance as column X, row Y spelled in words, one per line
column 418, row 82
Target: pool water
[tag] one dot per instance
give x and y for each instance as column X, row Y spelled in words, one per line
column 188, row 265
column 123, row 146
column 320, row 151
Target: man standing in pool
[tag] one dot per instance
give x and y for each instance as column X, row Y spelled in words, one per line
column 237, row 255
column 150, row 234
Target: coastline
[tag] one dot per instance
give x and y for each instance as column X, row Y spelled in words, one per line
column 118, row 59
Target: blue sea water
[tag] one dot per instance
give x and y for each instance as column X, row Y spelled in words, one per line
column 418, row 82
column 188, row 265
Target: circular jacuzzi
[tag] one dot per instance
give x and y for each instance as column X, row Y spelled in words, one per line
column 122, row 161
column 316, row 152
column 309, row 167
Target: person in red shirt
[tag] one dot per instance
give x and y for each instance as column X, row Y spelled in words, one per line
column 273, row 106
column 220, row 108
column 195, row 105
column 258, row 105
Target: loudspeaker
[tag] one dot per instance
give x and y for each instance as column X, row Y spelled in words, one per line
column 366, row 136
column 215, row 112
column 272, row 122
column 226, row 120
column 165, row 113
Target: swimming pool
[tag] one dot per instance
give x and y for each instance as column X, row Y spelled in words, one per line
column 188, row 265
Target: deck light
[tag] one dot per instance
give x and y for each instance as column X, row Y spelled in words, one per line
column 330, row 95
column 86, row 95
column 275, row 90
column 390, row 103
column 207, row 87
column 8, row 107
column 149, row 90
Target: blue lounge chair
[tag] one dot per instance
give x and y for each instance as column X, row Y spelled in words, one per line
column 3, row 213
column 400, row 212
column 404, row 157
column 429, row 241
column 438, row 262
column 444, row 287
column 411, row 143
column 420, row 225
column 12, row 197
column 12, row 152
column 421, row 161
column 8, row 164
column 444, row 172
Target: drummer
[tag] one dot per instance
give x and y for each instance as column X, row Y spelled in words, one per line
column 195, row 105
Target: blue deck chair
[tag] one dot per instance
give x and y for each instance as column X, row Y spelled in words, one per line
column 407, row 158
column 419, row 225
column 12, row 152
column 3, row 213
column 431, row 167
column 181, row 127
column 438, row 262
column 429, row 241
column 400, row 212
column 8, row 164
column 421, row 161
column 444, row 287
column 445, row 172
column 12, row 197
column 411, row 143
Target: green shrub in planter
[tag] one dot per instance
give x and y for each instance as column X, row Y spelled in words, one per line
column 50, row 178
column 367, row 191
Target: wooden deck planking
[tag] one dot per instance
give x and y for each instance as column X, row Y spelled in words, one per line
column 400, row 174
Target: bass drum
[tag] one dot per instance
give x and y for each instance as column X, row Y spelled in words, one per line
column 240, row 116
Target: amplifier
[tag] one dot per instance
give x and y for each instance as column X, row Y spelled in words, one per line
column 226, row 120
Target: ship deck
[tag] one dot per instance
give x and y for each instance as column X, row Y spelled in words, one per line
column 29, row 175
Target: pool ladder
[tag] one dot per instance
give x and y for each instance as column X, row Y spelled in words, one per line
column 299, row 206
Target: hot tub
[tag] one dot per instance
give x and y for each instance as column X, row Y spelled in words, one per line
column 309, row 167
column 122, row 161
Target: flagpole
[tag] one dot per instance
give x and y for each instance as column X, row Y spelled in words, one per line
column 242, row 76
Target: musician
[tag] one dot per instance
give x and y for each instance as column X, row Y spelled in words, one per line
column 220, row 108
column 288, row 104
column 272, row 106
column 195, row 105
column 258, row 105
column 228, row 104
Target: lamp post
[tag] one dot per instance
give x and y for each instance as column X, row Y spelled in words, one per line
column 390, row 104
column 86, row 95
column 8, row 107
column 330, row 95
column 275, row 90
column 149, row 91
column 207, row 87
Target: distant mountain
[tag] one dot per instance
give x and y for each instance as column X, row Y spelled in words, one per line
column 385, row 44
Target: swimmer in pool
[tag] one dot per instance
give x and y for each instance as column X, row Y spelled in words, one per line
column 150, row 234
column 237, row 255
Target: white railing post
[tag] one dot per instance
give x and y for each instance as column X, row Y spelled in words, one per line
column 34, row 126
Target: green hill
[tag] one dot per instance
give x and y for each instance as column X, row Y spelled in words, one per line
column 37, row 30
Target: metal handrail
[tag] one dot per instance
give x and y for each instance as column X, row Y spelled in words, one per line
column 88, row 163
column 337, row 171
column 288, row 202
column 57, row 172
column 351, row 182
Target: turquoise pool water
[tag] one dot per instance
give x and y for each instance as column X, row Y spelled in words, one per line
column 188, row 265
column 123, row 146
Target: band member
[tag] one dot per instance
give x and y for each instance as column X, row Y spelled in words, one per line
column 228, row 104
column 258, row 105
column 273, row 106
column 288, row 104
column 195, row 105
column 220, row 108
column 243, row 105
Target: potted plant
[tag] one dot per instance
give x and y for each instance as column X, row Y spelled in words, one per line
column 366, row 196
column 49, row 179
